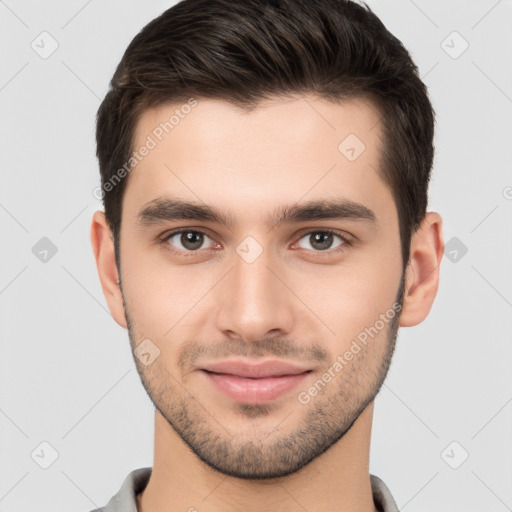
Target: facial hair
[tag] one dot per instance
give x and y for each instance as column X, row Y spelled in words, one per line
column 268, row 454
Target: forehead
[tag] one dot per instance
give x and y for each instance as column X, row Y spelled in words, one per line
column 284, row 150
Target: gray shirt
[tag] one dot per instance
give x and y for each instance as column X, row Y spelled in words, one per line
column 126, row 499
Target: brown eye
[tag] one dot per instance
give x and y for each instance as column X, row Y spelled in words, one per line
column 187, row 240
column 321, row 240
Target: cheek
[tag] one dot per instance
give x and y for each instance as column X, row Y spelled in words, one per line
column 154, row 295
column 353, row 295
column 166, row 302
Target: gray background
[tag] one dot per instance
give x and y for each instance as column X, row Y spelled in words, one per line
column 67, row 377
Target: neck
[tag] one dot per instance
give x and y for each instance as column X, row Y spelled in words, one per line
column 338, row 480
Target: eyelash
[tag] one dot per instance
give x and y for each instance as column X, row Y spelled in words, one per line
column 347, row 241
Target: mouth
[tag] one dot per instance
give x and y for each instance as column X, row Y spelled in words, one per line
column 254, row 383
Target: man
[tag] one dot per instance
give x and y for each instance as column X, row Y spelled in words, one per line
column 265, row 168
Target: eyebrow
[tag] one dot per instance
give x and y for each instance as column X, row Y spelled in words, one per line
column 165, row 209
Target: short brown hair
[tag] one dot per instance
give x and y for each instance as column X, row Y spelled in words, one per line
column 244, row 52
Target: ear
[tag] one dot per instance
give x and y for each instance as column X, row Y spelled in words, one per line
column 422, row 274
column 103, row 247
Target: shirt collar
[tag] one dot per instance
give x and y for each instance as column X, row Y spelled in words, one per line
column 126, row 499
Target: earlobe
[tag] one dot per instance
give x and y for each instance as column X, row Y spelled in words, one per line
column 103, row 248
column 422, row 273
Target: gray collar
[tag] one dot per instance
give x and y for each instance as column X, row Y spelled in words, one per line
column 126, row 499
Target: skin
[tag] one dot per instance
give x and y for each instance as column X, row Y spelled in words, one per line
column 294, row 302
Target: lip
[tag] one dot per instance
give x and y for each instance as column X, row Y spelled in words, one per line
column 254, row 383
column 270, row 368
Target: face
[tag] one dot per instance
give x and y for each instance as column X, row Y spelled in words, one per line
column 261, row 271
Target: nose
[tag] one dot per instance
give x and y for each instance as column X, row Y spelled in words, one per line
column 253, row 301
